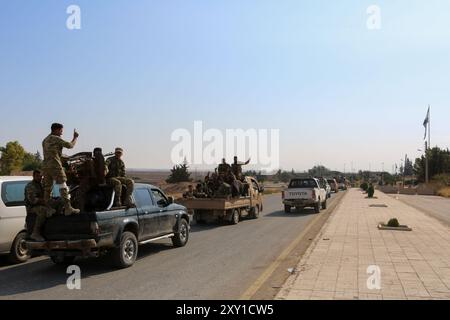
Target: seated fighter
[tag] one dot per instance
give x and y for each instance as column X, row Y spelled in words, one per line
column 116, row 177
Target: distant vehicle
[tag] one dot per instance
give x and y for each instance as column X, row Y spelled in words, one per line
column 343, row 184
column 231, row 210
column 324, row 184
column 101, row 229
column 12, row 218
column 334, row 185
column 303, row 193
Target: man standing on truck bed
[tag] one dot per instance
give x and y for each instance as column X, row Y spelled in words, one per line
column 236, row 168
column 116, row 177
column 53, row 168
column 34, row 203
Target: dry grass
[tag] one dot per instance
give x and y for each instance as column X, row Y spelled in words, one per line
column 444, row 192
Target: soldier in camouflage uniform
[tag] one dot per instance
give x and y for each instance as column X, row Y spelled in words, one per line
column 116, row 177
column 224, row 168
column 53, row 168
column 34, row 203
column 189, row 194
column 236, row 168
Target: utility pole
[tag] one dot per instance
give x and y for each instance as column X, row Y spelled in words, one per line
column 428, row 146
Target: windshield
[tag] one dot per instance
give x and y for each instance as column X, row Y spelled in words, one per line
column 303, row 183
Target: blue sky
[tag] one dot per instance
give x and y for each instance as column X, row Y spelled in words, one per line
column 137, row 70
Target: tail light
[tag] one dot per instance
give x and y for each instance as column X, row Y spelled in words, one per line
column 314, row 194
column 283, row 195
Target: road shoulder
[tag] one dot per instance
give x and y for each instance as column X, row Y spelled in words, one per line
column 271, row 281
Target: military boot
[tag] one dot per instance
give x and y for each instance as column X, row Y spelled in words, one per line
column 68, row 210
column 129, row 202
column 36, row 235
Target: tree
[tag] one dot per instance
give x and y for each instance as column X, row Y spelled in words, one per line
column 439, row 163
column 180, row 173
column 32, row 161
column 12, row 158
column 320, row 171
column 409, row 168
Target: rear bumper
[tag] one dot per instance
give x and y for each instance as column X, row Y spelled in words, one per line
column 299, row 202
column 82, row 246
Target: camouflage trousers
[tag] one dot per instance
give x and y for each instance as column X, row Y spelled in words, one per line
column 223, row 191
column 42, row 214
column 41, row 211
column 54, row 175
column 118, row 182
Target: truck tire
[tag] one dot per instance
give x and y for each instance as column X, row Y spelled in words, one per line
column 19, row 252
column 181, row 238
column 287, row 209
column 62, row 261
column 324, row 205
column 255, row 212
column 317, row 207
column 125, row 255
column 235, row 217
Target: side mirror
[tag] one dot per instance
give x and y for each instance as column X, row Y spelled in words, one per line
column 261, row 189
column 171, row 200
column 162, row 203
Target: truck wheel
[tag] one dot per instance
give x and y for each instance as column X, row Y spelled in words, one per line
column 287, row 209
column 317, row 207
column 324, row 205
column 19, row 251
column 125, row 255
column 181, row 238
column 62, row 261
column 255, row 212
column 235, row 217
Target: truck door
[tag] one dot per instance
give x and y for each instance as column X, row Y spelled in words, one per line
column 147, row 213
column 167, row 219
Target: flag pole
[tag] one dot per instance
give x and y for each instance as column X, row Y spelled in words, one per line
column 427, row 147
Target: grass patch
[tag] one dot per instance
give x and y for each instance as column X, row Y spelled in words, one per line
column 444, row 192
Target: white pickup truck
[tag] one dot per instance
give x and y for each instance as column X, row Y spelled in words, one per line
column 303, row 193
column 12, row 218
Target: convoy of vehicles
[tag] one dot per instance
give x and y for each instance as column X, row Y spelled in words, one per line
column 303, row 193
column 103, row 230
column 231, row 210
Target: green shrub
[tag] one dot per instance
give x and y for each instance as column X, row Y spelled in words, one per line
column 370, row 191
column 393, row 223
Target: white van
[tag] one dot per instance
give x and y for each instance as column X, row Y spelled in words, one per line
column 12, row 218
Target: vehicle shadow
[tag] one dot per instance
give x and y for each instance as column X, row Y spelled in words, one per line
column 38, row 275
column 293, row 214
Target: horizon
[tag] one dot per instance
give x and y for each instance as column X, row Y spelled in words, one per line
column 135, row 73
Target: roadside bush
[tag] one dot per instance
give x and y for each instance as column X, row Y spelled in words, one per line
column 364, row 186
column 370, row 191
column 444, row 192
column 393, row 223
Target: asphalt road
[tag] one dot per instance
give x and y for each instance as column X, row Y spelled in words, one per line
column 220, row 262
column 437, row 207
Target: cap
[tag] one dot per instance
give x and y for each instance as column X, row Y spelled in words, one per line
column 119, row 150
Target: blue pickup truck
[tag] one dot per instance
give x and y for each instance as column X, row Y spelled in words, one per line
column 117, row 232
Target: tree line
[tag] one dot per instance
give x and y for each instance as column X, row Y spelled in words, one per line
column 14, row 158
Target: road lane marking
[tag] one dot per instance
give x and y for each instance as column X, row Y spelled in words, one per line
column 254, row 288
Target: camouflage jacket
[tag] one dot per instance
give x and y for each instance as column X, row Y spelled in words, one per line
column 224, row 168
column 34, row 195
column 53, row 146
column 116, row 167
